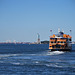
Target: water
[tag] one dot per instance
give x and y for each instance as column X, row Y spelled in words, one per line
column 23, row 59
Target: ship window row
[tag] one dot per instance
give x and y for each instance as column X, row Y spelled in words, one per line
column 62, row 38
column 57, row 42
column 53, row 42
column 53, row 38
column 58, row 46
column 61, row 42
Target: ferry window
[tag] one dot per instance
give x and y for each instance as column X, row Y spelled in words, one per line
column 52, row 42
column 64, row 38
column 55, row 42
column 64, row 42
column 58, row 35
column 53, row 46
column 52, row 38
column 61, row 42
column 58, row 42
column 69, row 39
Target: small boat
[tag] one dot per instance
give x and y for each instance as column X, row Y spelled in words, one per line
column 60, row 42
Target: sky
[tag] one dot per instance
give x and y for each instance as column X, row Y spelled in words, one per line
column 21, row 20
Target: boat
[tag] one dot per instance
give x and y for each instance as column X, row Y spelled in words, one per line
column 60, row 42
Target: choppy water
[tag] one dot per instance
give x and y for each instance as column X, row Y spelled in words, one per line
column 35, row 60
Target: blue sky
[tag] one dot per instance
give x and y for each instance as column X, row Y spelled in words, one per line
column 21, row 20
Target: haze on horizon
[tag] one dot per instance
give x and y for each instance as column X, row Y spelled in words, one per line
column 21, row 20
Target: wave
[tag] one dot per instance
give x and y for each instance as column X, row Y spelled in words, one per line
column 8, row 55
column 53, row 65
column 55, row 53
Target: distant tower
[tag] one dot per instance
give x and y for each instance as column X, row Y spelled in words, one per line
column 38, row 40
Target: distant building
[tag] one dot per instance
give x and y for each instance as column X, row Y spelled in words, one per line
column 44, row 42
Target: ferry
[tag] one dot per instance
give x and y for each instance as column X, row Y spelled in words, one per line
column 60, row 42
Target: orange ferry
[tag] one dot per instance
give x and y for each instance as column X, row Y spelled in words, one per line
column 60, row 42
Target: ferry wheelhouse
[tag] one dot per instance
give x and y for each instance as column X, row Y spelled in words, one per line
column 60, row 42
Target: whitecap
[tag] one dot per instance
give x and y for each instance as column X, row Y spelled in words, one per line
column 53, row 65
column 55, row 53
column 8, row 55
column 16, row 63
column 37, row 62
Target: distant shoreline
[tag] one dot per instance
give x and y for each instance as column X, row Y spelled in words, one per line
column 23, row 43
column 42, row 42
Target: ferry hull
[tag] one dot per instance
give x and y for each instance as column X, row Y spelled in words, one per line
column 61, row 49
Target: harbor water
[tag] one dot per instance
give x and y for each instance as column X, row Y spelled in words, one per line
column 35, row 59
